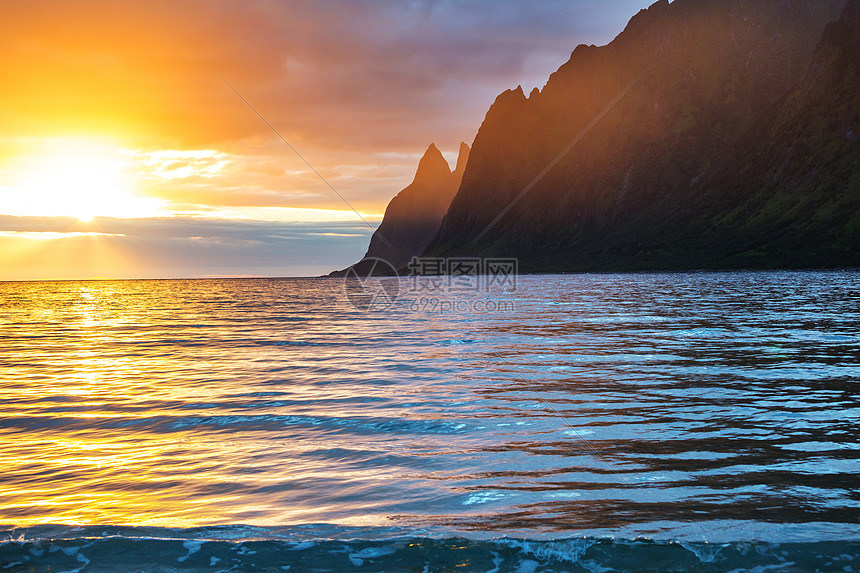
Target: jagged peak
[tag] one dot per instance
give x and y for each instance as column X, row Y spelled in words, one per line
column 582, row 48
column 510, row 97
column 462, row 158
column 658, row 8
column 432, row 164
column 644, row 22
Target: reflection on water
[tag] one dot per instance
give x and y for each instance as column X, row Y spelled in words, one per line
column 720, row 404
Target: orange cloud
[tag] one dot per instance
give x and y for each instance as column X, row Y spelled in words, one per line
column 335, row 74
column 360, row 88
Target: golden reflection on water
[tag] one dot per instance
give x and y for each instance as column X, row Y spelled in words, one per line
column 187, row 403
column 87, row 351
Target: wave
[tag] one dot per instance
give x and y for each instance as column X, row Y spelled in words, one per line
column 301, row 548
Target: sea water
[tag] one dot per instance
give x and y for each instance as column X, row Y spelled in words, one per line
column 701, row 421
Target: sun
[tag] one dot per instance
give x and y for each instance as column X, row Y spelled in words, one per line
column 74, row 178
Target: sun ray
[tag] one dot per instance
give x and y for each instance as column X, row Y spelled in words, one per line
column 74, row 178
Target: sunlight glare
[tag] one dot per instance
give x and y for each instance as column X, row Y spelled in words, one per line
column 74, row 179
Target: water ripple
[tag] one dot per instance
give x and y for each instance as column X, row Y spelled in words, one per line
column 695, row 406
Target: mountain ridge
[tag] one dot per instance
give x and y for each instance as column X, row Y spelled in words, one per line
column 413, row 216
column 623, row 198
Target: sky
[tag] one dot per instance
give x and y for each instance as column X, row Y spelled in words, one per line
column 127, row 152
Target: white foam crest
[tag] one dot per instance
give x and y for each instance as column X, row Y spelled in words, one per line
column 569, row 550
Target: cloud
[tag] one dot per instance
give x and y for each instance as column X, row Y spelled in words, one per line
column 174, row 247
column 358, row 87
column 330, row 74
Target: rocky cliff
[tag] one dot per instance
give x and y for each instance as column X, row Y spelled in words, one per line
column 413, row 217
column 734, row 146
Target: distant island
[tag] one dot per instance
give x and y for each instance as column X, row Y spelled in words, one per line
column 735, row 145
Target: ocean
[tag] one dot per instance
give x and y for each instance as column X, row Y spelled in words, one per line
column 603, row 422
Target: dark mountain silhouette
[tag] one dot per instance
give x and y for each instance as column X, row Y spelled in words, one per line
column 413, row 217
column 789, row 194
column 736, row 146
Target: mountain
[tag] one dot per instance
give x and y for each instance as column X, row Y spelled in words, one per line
column 733, row 146
column 789, row 195
column 413, row 217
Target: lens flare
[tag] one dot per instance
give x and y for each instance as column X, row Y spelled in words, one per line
column 72, row 178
